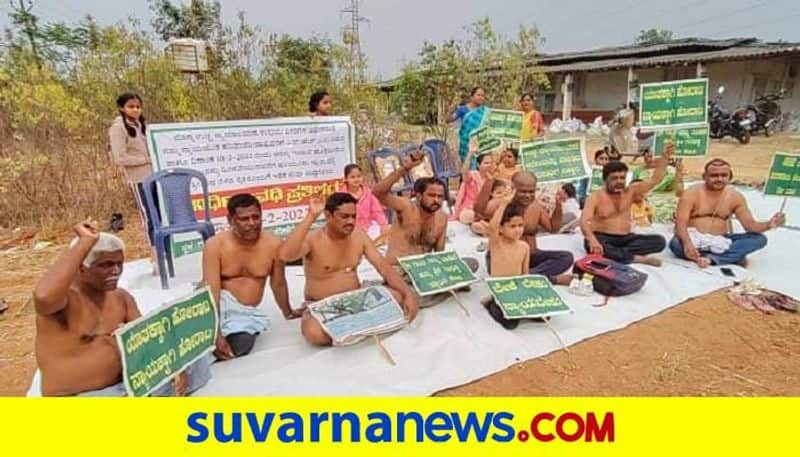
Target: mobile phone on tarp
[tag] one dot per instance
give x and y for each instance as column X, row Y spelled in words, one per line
column 727, row 272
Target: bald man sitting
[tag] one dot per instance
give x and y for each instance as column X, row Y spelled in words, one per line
column 553, row 264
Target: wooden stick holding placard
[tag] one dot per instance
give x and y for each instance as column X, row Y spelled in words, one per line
column 384, row 351
column 458, row 300
column 783, row 204
column 560, row 340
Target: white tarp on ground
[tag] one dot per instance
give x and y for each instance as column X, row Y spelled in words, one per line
column 443, row 347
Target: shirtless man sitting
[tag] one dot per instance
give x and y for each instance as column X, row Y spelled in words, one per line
column 420, row 226
column 552, row 264
column 236, row 265
column 703, row 223
column 78, row 309
column 331, row 256
column 606, row 217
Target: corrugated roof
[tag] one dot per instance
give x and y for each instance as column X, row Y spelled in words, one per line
column 680, row 51
column 678, row 46
column 733, row 53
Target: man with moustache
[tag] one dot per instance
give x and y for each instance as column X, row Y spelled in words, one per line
column 420, row 226
column 331, row 256
column 236, row 265
column 78, row 309
column 606, row 217
column 703, row 222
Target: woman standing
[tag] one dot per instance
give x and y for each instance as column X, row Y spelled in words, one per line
column 532, row 122
column 320, row 103
column 471, row 115
column 129, row 149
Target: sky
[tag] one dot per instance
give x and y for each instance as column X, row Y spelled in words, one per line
column 396, row 29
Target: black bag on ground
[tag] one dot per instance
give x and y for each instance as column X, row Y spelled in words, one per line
column 611, row 278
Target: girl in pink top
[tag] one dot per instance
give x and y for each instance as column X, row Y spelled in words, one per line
column 369, row 212
column 471, row 183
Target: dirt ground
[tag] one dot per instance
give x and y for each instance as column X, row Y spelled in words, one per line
column 705, row 346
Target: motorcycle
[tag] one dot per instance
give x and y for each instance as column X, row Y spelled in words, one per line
column 722, row 123
column 765, row 113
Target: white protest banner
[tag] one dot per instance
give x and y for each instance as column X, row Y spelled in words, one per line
column 352, row 316
column 281, row 161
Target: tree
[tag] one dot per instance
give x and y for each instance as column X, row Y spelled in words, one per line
column 56, row 42
column 200, row 19
column 654, row 36
column 445, row 73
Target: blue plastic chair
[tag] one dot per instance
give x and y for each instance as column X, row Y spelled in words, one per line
column 388, row 155
column 174, row 185
column 444, row 164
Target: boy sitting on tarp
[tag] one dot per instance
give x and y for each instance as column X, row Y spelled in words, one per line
column 508, row 255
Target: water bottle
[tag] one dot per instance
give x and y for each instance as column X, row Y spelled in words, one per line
column 587, row 286
column 575, row 286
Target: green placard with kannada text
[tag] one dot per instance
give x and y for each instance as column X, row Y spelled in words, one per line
column 555, row 160
column 164, row 342
column 527, row 296
column 784, row 175
column 673, row 103
column 596, row 182
column 689, row 141
column 487, row 142
column 437, row 272
column 505, row 123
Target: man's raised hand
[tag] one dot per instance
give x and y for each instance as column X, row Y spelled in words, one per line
column 316, row 205
column 87, row 229
column 413, row 159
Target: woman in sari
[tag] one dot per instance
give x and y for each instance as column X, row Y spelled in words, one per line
column 471, row 115
column 533, row 122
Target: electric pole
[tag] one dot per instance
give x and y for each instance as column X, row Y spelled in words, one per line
column 352, row 39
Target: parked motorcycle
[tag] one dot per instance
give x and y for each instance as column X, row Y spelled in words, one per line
column 765, row 113
column 723, row 123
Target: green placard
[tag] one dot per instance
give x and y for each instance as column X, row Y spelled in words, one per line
column 556, row 160
column 674, row 103
column 526, row 296
column 437, row 272
column 505, row 123
column 784, row 175
column 486, row 141
column 597, row 179
column 689, row 141
column 164, row 342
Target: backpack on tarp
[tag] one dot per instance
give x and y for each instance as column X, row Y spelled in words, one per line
column 611, row 278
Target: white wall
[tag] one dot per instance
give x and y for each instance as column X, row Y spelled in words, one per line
column 605, row 91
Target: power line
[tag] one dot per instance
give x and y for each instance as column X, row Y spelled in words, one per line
column 717, row 17
column 758, row 24
column 609, row 25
